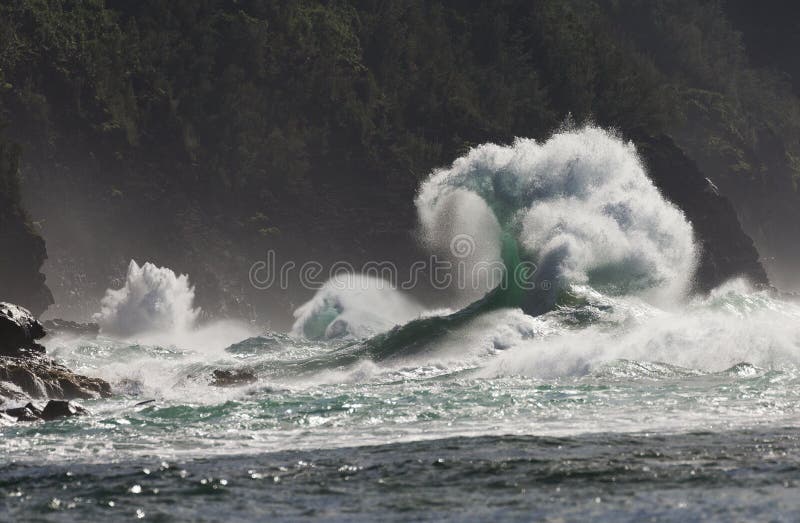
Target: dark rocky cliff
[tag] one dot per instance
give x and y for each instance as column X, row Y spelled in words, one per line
column 726, row 251
column 22, row 250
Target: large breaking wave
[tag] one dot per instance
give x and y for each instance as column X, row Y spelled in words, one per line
column 610, row 252
column 580, row 205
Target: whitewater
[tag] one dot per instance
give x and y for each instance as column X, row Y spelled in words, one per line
column 589, row 364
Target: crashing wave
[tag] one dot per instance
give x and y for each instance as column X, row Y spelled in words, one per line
column 353, row 305
column 579, row 205
column 153, row 300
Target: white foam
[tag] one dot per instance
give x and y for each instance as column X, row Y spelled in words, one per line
column 581, row 206
column 153, row 300
column 354, row 305
column 733, row 325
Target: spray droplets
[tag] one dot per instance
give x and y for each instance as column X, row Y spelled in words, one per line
column 153, row 300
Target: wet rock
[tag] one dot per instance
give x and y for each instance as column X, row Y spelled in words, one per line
column 10, row 392
column 60, row 409
column 25, row 371
column 29, row 412
column 232, row 377
column 41, row 377
column 725, row 250
column 19, row 330
column 54, row 409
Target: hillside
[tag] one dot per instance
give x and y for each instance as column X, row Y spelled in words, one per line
column 199, row 134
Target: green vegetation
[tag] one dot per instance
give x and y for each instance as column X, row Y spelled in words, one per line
column 260, row 95
column 221, row 115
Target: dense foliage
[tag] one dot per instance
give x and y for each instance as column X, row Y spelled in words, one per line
column 233, row 124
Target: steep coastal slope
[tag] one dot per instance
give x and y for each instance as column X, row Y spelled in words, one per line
column 198, row 135
column 23, row 250
column 725, row 250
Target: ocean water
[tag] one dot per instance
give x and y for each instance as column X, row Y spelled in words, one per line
column 723, row 476
column 595, row 386
column 484, row 423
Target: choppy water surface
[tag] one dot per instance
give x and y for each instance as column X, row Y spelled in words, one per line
column 611, row 409
column 741, row 475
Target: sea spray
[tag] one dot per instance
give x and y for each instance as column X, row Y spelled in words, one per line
column 579, row 204
column 153, row 300
column 579, row 208
column 462, row 229
column 353, row 305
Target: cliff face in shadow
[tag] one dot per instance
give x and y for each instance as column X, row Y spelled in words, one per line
column 23, row 250
column 725, row 250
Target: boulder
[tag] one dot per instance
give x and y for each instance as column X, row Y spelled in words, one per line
column 40, row 377
column 62, row 409
column 232, row 377
column 19, row 330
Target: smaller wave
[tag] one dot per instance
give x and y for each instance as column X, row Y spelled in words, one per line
column 152, row 300
column 734, row 327
column 353, row 305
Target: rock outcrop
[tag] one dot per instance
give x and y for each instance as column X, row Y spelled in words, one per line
column 19, row 331
column 23, row 248
column 26, row 372
column 232, row 377
column 40, row 377
column 726, row 251
column 54, row 409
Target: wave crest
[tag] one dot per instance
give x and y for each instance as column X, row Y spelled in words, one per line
column 580, row 205
column 153, row 300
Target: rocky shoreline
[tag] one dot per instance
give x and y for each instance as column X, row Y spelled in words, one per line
column 27, row 374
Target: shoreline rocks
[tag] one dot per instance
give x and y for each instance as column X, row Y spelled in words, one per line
column 53, row 409
column 40, row 377
column 27, row 373
column 19, row 331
